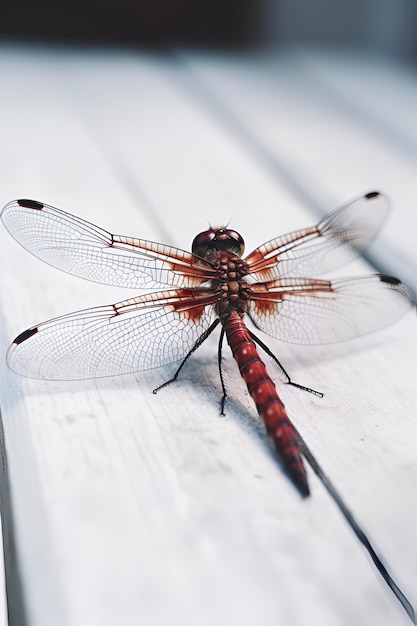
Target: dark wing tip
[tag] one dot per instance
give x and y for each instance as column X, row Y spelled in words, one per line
column 372, row 194
column 389, row 279
column 25, row 335
column 400, row 287
column 31, row 204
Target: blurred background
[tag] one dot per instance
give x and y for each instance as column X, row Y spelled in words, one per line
column 384, row 25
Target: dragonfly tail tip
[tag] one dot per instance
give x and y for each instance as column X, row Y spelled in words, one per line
column 301, row 484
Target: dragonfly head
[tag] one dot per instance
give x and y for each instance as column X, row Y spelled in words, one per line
column 217, row 240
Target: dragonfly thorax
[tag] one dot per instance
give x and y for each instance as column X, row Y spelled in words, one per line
column 233, row 288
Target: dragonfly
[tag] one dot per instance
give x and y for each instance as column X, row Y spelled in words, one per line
column 276, row 286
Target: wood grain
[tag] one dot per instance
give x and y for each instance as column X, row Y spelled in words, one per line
column 131, row 508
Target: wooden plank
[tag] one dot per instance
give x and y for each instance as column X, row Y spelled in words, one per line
column 134, row 508
column 332, row 126
column 3, row 601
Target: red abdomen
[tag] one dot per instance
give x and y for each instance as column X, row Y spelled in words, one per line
column 265, row 396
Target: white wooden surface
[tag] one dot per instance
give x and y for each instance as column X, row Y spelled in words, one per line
column 3, row 600
column 131, row 508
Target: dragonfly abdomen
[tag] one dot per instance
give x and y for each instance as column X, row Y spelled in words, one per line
column 264, row 394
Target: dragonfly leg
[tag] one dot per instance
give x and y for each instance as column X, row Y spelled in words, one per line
column 282, row 369
column 197, row 344
column 221, row 373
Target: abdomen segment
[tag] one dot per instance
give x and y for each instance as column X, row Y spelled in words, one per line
column 264, row 394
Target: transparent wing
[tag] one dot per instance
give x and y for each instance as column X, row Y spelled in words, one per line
column 337, row 239
column 82, row 249
column 312, row 311
column 136, row 334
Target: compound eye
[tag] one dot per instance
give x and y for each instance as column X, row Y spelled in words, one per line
column 236, row 237
column 217, row 239
column 202, row 241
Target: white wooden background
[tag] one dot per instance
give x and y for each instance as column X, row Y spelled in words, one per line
column 133, row 509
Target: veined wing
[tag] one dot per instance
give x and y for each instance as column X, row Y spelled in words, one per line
column 136, row 334
column 312, row 311
column 338, row 238
column 77, row 247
